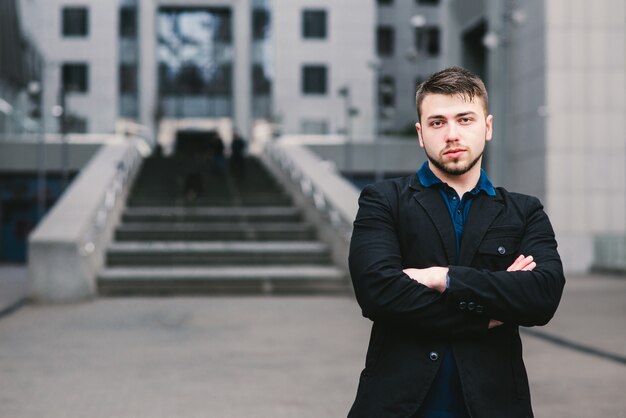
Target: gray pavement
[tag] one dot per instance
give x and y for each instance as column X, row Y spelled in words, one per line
column 270, row 356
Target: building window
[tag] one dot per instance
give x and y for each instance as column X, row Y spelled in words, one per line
column 427, row 41
column 314, row 79
column 385, row 2
column 385, row 40
column 261, row 83
column 75, row 21
column 387, row 90
column 74, row 124
column 128, row 78
column 128, row 22
column 314, row 126
column 260, row 24
column 314, row 24
column 75, row 78
column 428, row 2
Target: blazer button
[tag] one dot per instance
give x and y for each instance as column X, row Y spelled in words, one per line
column 501, row 250
column 434, row 356
column 471, row 306
column 462, row 305
column 479, row 308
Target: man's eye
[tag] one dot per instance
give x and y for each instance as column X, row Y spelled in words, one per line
column 466, row 120
column 436, row 123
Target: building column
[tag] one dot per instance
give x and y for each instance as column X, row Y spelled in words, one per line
column 148, row 83
column 242, row 29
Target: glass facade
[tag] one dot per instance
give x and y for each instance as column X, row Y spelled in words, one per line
column 195, row 58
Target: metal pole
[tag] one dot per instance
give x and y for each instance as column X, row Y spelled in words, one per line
column 41, row 170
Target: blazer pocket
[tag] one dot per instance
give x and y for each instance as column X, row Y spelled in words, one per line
column 497, row 253
column 500, row 246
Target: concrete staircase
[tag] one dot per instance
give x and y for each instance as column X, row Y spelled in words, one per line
column 188, row 230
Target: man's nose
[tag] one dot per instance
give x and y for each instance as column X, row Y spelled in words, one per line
column 452, row 132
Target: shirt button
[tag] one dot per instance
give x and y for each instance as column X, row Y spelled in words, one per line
column 453, row 197
column 501, row 250
column 479, row 308
column 433, row 356
column 462, row 305
column 471, row 306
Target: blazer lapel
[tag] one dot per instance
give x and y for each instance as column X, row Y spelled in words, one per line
column 483, row 212
column 435, row 207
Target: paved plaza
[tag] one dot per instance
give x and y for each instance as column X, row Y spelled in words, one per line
column 271, row 356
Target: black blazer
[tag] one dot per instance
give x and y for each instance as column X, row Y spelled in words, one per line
column 399, row 225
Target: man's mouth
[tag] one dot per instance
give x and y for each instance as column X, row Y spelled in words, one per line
column 454, row 152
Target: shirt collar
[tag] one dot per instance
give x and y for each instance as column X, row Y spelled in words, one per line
column 428, row 179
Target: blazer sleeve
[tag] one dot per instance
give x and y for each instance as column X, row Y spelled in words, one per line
column 387, row 294
column 526, row 298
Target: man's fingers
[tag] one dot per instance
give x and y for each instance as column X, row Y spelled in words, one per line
column 494, row 323
column 522, row 263
column 530, row 267
column 517, row 264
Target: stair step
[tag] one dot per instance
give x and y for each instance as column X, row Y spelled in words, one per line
column 214, row 231
column 211, row 214
column 202, row 201
column 217, row 253
column 302, row 279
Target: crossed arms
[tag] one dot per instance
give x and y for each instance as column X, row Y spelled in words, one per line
column 527, row 293
column 436, row 278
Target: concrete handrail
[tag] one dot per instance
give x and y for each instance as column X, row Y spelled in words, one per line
column 319, row 179
column 330, row 201
column 67, row 248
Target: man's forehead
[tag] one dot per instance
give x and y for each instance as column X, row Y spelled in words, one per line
column 459, row 102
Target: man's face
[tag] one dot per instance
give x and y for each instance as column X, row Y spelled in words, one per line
column 453, row 132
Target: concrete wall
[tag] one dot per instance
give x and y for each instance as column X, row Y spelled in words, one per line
column 25, row 155
column 67, row 248
column 387, row 155
column 347, row 52
column 586, row 135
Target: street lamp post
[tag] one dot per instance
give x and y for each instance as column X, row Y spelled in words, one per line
column 349, row 113
column 375, row 66
column 35, row 93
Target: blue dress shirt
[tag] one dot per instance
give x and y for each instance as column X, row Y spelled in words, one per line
column 445, row 397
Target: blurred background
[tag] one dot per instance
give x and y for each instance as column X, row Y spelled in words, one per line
column 218, row 147
column 73, row 74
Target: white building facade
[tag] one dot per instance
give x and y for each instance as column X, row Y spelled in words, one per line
column 556, row 74
column 150, row 60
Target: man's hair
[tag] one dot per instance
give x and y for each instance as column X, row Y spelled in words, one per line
column 451, row 81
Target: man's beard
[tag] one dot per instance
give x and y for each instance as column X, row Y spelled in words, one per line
column 454, row 171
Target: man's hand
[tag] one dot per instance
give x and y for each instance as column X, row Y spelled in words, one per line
column 523, row 263
column 520, row 263
column 431, row 277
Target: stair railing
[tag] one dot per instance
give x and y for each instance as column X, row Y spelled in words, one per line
column 67, row 249
column 329, row 201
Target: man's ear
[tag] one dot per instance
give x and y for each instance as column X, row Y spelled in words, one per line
column 418, row 128
column 489, row 128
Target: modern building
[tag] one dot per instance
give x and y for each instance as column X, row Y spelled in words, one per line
column 556, row 72
column 152, row 60
column 20, row 73
column 411, row 43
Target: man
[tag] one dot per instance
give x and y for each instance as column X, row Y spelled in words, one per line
column 448, row 267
